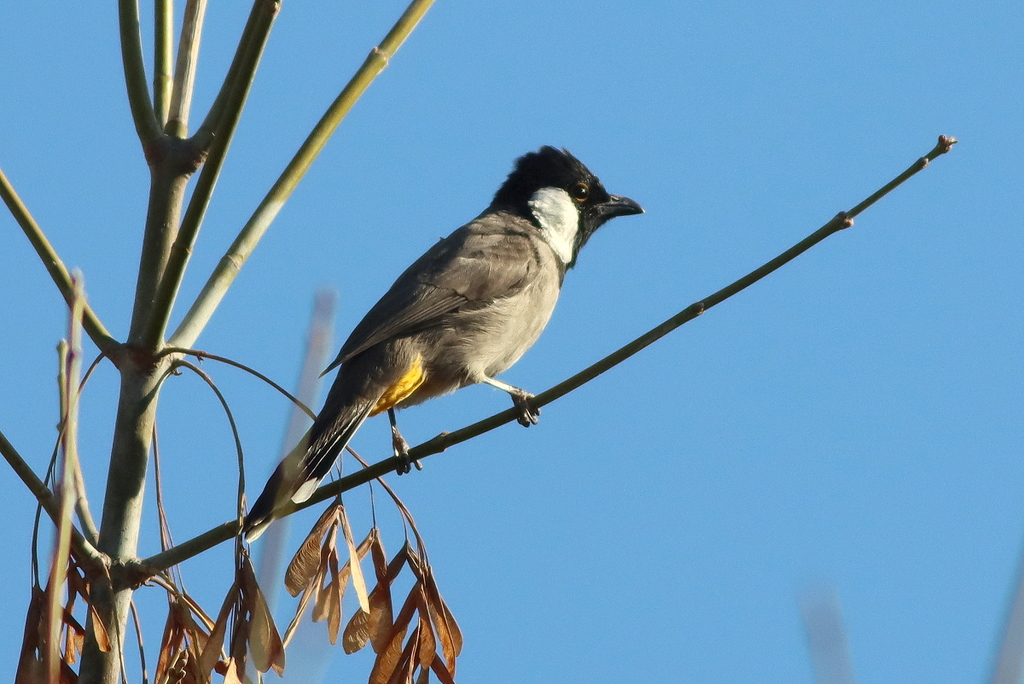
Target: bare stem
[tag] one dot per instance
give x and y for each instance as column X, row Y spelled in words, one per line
column 227, row 530
column 166, row 195
column 230, row 264
column 185, row 70
column 71, row 370
column 163, row 51
column 230, row 104
column 135, row 72
column 243, row 66
column 58, row 272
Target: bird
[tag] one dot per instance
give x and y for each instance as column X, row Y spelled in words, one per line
column 461, row 314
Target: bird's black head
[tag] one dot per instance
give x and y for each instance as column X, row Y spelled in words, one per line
column 562, row 197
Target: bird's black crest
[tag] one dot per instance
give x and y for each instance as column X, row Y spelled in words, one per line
column 547, row 167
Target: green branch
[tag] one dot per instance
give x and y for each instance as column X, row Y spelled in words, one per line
column 58, row 272
column 243, row 66
column 231, row 263
column 234, row 91
column 135, row 72
column 163, row 56
column 225, row 531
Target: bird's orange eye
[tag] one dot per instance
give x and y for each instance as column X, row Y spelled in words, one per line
column 581, row 191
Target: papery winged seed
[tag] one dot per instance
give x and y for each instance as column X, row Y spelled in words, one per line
column 444, row 621
column 214, row 644
column 323, row 602
column 387, row 660
column 428, row 646
column 231, row 676
column 407, row 663
column 444, row 676
column 334, row 617
column 358, row 583
column 264, row 639
column 380, row 615
column 100, row 630
column 306, row 560
column 356, row 634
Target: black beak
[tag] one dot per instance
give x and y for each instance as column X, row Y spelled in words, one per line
column 617, row 206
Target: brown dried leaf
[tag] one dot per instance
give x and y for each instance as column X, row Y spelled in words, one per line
column 424, row 676
column 169, row 644
column 215, row 642
column 73, row 643
column 356, row 634
column 334, row 617
column 197, row 635
column 358, row 583
column 447, row 629
column 428, row 645
column 312, row 591
column 443, row 675
column 380, row 559
column 407, row 663
column 374, row 626
column 197, row 611
column 322, row 607
column 308, row 558
column 264, row 640
column 387, row 660
column 388, row 657
column 380, row 616
column 99, row 628
column 231, row 674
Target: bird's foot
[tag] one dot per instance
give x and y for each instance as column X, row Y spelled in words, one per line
column 527, row 414
column 401, row 449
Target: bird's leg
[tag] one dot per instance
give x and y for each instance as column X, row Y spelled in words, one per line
column 400, row 446
column 521, row 398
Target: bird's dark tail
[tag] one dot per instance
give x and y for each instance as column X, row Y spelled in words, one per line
column 300, row 473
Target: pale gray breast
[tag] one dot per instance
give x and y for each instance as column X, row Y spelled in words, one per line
column 486, row 338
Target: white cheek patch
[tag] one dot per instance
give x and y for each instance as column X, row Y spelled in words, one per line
column 558, row 218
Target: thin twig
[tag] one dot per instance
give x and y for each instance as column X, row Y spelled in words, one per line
column 135, row 72
column 215, row 143
column 85, row 518
column 185, row 69
column 71, row 369
column 58, row 272
column 138, row 636
column 441, row 442
column 234, row 429
column 69, row 420
column 200, row 354
column 230, row 264
column 85, row 552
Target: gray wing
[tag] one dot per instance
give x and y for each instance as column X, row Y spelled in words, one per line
column 490, row 258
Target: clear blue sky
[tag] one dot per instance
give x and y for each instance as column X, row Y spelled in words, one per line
column 853, row 420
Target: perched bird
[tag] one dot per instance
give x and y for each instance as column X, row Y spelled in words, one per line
column 460, row 314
